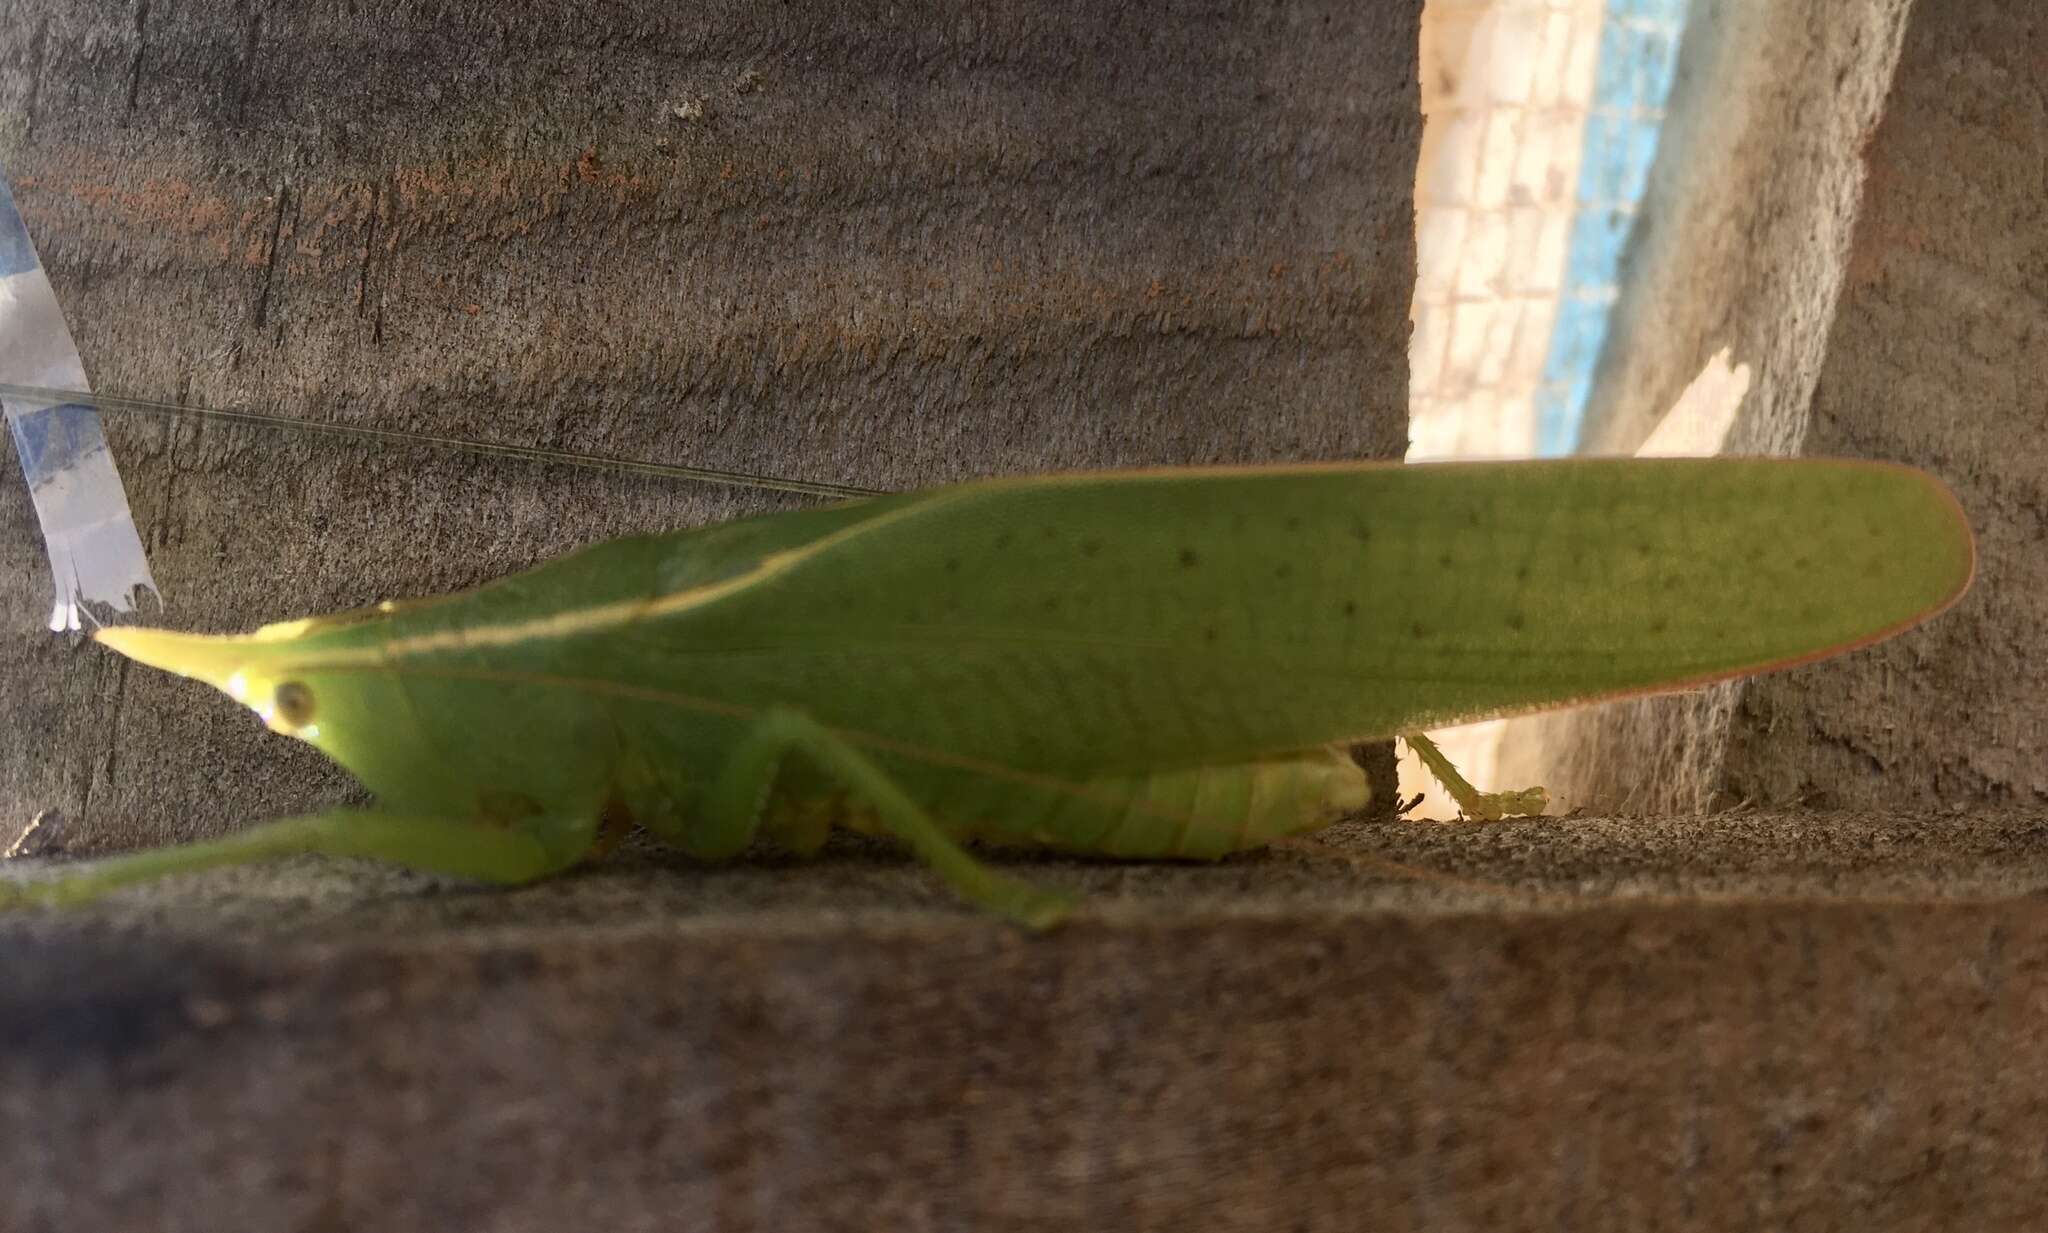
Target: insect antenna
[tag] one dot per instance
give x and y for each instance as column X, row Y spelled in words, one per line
column 366, row 435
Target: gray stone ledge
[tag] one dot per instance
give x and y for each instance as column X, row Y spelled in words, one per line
column 1771, row 1018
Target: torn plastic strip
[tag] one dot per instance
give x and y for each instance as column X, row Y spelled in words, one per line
column 95, row 553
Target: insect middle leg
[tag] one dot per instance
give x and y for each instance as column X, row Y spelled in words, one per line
column 478, row 851
column 731, row 814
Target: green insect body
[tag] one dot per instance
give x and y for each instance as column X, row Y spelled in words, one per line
column 1143, row 664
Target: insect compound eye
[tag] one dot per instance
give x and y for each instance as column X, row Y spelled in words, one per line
column 294, row 702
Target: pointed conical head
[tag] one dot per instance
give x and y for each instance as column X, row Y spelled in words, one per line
column 253, row 669
column 313, row 688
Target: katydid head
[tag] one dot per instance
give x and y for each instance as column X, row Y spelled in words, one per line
column 421, row 743
column 255, row 670
column 291, row 680
column 270, row 670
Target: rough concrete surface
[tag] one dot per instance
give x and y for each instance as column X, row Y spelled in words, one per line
column 1741, row 242
column 1753, row 1020
column 875, row 243
column 1745, row 222
column 1939, row 356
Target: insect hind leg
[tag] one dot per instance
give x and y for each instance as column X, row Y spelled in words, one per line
column 732, row 811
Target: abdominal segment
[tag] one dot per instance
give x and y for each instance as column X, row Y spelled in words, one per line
column 1197, row 813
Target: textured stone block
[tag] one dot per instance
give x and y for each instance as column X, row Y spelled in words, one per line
column 1759, row 1020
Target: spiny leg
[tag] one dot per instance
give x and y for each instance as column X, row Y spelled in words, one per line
column 1484, row 806
column 732, row 813
column 475, row 850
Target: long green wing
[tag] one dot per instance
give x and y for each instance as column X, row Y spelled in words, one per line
column 1075, row 625
column 1125, row 622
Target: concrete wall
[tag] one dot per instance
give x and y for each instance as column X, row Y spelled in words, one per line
column 1938, row 356
column 1742, row 243
column 1747, row 219
column 884, row 244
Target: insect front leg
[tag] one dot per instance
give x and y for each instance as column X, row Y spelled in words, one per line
column 480, row 851
column 732, row 810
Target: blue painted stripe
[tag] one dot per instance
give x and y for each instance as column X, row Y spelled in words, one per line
column 1638, row 52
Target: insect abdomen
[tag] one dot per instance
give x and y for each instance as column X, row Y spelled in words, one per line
column 1201, row 813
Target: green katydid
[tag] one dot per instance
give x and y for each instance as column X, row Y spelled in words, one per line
column 1160, row 664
